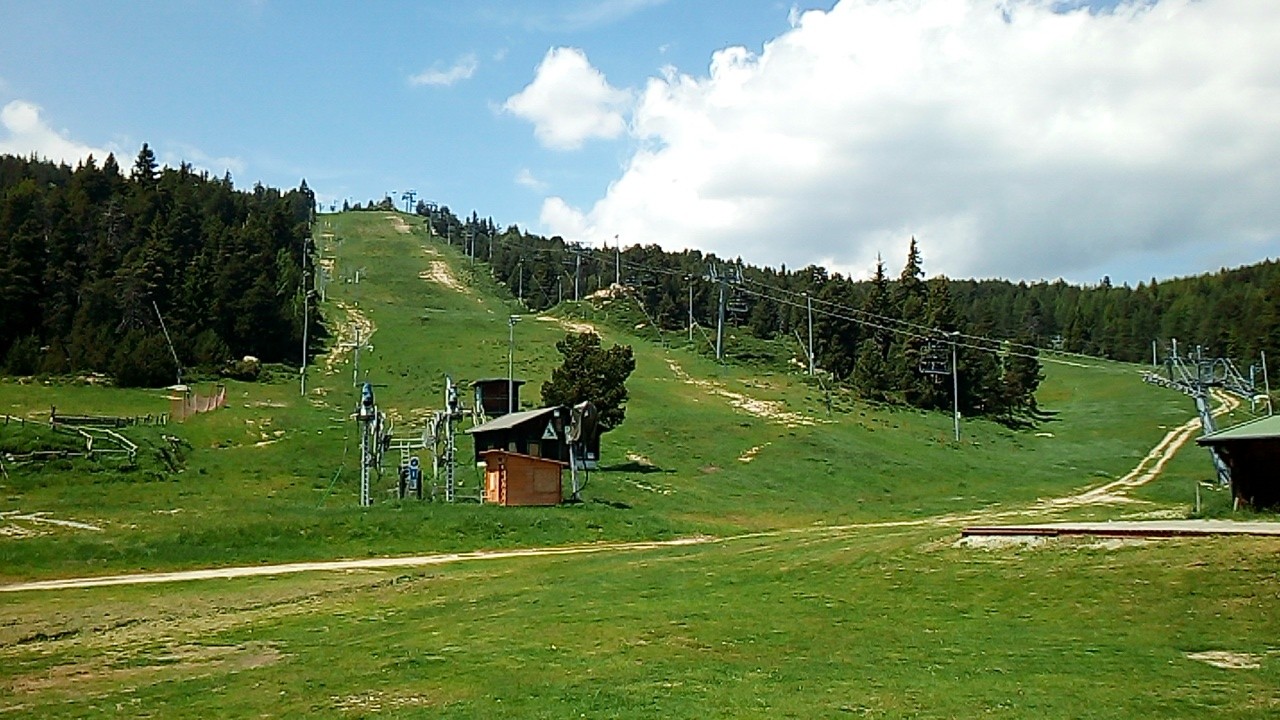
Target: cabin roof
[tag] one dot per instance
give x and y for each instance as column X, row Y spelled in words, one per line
column 510, row 420
column 1267, row 428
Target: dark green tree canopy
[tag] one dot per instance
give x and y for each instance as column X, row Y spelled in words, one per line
column 591, row 372
column 89, row 256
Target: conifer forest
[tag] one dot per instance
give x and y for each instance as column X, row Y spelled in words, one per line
column 97, row 263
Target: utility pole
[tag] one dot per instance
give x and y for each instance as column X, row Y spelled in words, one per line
column 164, row 330
column 808, row 299
column 520, row 281
column 690, row 279
column 577, row 270
column 511, row 354
column 408, row 198
column 617, row 262
column 306, row 321
column 1266, row 382
column 724, row 286
column 355, row 371
column 955, row 385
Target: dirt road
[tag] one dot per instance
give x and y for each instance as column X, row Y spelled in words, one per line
column 344, row 565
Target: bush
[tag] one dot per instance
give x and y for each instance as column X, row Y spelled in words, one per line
column 143, row 360
column 249, row 369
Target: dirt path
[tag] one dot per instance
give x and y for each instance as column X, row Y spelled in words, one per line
column 345, row 565
column 438, row 272
column 578, row 326
column 345, row 336
column 1148, row 469
column 770, row 410
column 399, row 224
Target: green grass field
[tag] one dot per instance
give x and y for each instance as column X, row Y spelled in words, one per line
column 831, row 589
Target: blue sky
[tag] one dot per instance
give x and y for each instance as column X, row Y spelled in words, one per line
column 1015, row 138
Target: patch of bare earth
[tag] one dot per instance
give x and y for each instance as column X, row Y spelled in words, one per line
column 578, row 326
column 770, row 410
column 345, row 336
column 399, row 224
column 438, row 272
column 17, row 524
column 1228, row 660
column 120, row 668
column 377, row 701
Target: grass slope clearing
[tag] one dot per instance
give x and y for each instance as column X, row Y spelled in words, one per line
column 834, row 585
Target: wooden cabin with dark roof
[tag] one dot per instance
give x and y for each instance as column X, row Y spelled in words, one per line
column 537, row 433
column 1252, row 453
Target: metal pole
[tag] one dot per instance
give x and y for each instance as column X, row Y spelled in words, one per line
column 1153, row 353
column 168, row 340
column 955, row 387
column 577, row 270
column 617, row 263
column 1266, row 382
column 364, row 463
column 720, row 323
column 511, row 354
column 306, row 308
column 355, row 371
column 691, row 309
column 809, row 302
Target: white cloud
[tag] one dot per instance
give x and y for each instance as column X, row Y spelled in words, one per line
column 570, row 102
column 178, row 153
column 28, row 133
column 603, row 12
column 526, row 178
column 570, row 16
column 462, row 69
column 1009, row 138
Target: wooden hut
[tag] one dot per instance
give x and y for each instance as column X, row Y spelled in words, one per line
column 539, row 433
column 491, row 396
column 1252, row 453
column 519, row 479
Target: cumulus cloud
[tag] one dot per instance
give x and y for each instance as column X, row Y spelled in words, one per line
column 462, row 69
column 526, row 178
column 28, row 133
column 570, row 102
column 200, row 160
column 1013, row 138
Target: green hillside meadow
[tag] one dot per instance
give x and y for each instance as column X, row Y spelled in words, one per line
column 824, row 574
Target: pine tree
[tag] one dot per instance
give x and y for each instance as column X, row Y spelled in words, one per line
column 870, row 374
column 590, row 372
column 144, row 167
column 911, row 298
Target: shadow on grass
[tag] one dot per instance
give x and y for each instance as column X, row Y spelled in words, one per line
column 635, row 467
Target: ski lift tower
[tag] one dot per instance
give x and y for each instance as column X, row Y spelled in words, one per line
column 371, row 423
column 443, row 446
column 1197, row 376
column 934, row 361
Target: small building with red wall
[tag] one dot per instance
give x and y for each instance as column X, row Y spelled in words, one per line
column 517, row 479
